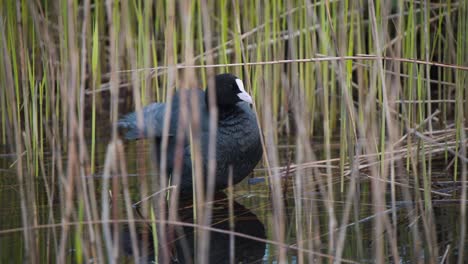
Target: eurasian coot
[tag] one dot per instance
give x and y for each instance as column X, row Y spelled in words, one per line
column 238, row 143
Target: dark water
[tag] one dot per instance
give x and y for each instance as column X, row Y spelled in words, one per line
column 223, row 246
column 252, row 216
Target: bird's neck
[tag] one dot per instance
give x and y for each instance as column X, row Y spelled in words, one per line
column 224, row 112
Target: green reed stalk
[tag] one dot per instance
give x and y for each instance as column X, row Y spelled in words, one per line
column 95, row 66
column 461, row 114
column 78, row 235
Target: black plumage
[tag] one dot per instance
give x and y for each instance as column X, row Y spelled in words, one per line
column 238, row 143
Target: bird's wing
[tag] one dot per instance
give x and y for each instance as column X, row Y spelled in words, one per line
column 153, row 119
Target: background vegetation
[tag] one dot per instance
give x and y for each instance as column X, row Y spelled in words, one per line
column 360, row 103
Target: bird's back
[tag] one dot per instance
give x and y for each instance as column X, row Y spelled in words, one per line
column 154, row 114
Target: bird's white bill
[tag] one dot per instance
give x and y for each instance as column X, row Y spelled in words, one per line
column 243, row 95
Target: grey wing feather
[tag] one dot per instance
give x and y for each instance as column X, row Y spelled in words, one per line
column 153, row 119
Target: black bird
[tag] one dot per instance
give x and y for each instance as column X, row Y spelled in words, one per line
column 238, row 143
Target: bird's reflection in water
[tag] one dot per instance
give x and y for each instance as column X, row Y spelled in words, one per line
column 181, row 239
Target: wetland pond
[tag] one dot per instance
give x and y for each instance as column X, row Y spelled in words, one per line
column 243, row 225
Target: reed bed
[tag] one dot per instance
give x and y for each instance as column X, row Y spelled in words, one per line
column 362, row 107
